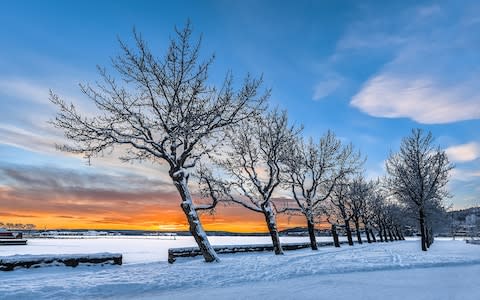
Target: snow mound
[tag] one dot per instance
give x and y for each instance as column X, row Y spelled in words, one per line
column 9, row 263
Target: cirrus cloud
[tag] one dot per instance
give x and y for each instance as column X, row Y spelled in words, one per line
column 464, row 153
column 420, row 98
column 433, row 74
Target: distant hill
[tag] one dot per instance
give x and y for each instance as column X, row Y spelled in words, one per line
column 460, row 215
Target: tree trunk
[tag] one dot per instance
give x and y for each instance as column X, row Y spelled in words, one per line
column 390, row 234
column 357, row 229
column 195, row 225
column 311, row 233
column 380, row 234
column 423, row 230
column 373, row 235
column 395, row 234
column 427, row 237
column 392, row 230
column 385, row 233
column 400, row 237
column 349, row 232
column 431, row 237
column 336, row 242
column 272, row 228
column 369, row 240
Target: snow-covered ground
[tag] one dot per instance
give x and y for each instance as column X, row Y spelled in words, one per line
column 135, row 249
column 399, row 270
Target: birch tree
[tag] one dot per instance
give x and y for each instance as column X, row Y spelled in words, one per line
column 161, row 109
column 418, row 175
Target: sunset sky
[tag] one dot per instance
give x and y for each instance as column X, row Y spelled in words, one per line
column 369, row 70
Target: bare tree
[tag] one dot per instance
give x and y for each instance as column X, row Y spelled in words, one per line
column 418, row 175
column 359, row 190
column 313, row 170
column 340, row 198
column 374, row 214
column 162, row 110
column 368, row 213
column 328, row 210
column 253, row 165
column 396, row 219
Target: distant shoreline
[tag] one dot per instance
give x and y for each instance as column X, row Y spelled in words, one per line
column 113, row 232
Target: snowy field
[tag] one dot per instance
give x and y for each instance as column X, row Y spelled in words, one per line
column 399, row 270
column 135, row 249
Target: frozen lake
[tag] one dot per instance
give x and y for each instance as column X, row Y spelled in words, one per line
column 135, row 249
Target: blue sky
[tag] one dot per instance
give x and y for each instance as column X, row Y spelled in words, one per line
column 369, row 70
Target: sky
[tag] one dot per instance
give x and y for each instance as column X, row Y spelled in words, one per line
column 368, row 70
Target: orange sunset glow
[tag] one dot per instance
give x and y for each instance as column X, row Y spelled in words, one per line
column 52, row 198
column 231, row 219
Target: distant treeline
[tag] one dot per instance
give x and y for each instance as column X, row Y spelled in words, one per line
column 463, row 213
column 17, row 226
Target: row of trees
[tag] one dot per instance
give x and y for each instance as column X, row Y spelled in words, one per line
column 366, row 207
column 164, row 110
column 17, row 226
column 324, row 179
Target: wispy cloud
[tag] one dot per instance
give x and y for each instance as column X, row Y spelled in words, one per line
column 26, row 139
column 465, row 175
column 421, row 99
column 43, row 141
column 425, row 81
column 28, row 128
column 429, row 10
column 65, row 191
column 24, row 89
column 464, row 153
column 327, row 86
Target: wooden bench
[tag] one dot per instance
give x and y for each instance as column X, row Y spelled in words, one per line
column 9, row 263
column 174, row 253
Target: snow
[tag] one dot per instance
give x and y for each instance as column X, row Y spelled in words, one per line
column 370, row 271
column 135, row 249
column 420, row 284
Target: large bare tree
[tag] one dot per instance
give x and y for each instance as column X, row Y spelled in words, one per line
column 161, row 109
column 253, row 163
column 313, row 171
column 418, row 175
